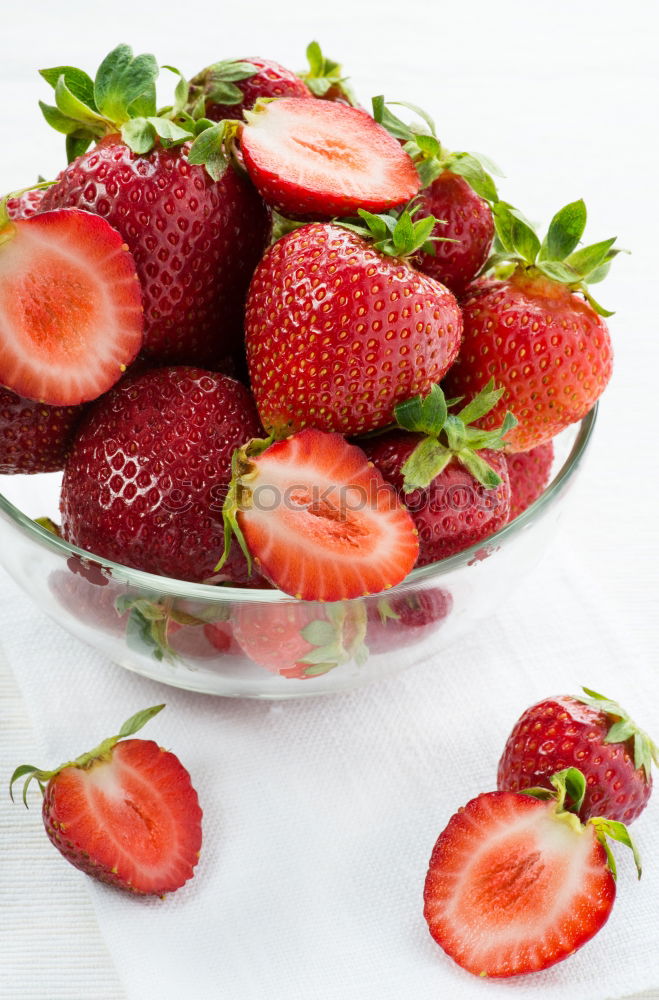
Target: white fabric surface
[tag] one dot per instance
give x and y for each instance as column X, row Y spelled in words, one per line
column 320, row 816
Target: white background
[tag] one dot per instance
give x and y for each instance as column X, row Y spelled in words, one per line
column 564, row 97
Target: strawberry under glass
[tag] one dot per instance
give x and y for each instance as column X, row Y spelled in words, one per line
column 185, row 634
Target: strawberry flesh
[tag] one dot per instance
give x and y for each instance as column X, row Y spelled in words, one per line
column 328, row 527
column 131, row 819
column 513, row 888
column 318, row 159
column 70, row 307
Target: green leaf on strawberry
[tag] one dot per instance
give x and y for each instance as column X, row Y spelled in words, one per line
column 449, row 435
column 325, row 78
column 624, row 728
column 518, row 246
column 121, row 98
column 430, row 158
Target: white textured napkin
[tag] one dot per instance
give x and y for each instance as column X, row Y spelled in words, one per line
column 320, row 814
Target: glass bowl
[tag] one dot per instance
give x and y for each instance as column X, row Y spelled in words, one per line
column 260, row 643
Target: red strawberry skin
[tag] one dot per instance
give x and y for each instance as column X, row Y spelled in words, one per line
column 455, row 511
column 320, row 159
column 529, row 473
column 195, row 242
column 34, row 437
column 338, row 334
column 131, row 819
column 564, row 732
column 468, row 219
column 24, row 206
column 543, row 343
column 147, row 474
column 271, row 80
column 405, row 620
column 511, row 890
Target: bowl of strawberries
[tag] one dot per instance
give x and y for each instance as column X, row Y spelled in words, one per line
column 299, row 396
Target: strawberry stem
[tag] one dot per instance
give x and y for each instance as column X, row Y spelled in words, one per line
column 131, row 726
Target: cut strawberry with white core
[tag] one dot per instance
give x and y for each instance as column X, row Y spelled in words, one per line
column 516, row 884
column 319, row 159
column 319, row 521
column 70, row 307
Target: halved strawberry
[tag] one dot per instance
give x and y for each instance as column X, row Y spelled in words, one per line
column 317, row 519
column 125, row 813
column 70, row 307
column 318, row 159
column 516, row 884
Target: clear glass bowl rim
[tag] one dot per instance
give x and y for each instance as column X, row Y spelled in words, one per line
column 209, row 592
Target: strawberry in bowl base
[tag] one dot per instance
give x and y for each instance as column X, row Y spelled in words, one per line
column 241, row 642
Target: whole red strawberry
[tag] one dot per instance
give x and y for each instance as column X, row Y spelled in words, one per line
column 34, row 437
column 591, row 733
column 340, row 330
column 227, row 88
column 147, row 474
column 125, row 813
column 298, row 640
column 195, row 240
column 466, row 231
column 451, row 479
column 529, row 473
column 516, row 883
column 405, row 620
column 539, row 333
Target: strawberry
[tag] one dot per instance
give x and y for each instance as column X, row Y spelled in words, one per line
column 34, row 437
column 25, row 204
column 147, row 474
column 529, row 473
column 316, row 159
column 591, row 733
column 195, row 240
column 457, row 190
column 340, row 330
column 317, row 519
column 300, row 640
column 452, row 477
column 517, row 883
column 125, row 813
column 228, row 88
column 70, row 308
column 405, row 620
column 538, row 332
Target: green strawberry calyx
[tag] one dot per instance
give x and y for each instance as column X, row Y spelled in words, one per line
column 558, row 257
column 569, row 786
column 239, row 496
column 216, row 84
column 396, row 234
column 622, row 729
column 430, row 158
column 120, row 99
column 30, row 773
column 325, row 76
column 448, row 435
